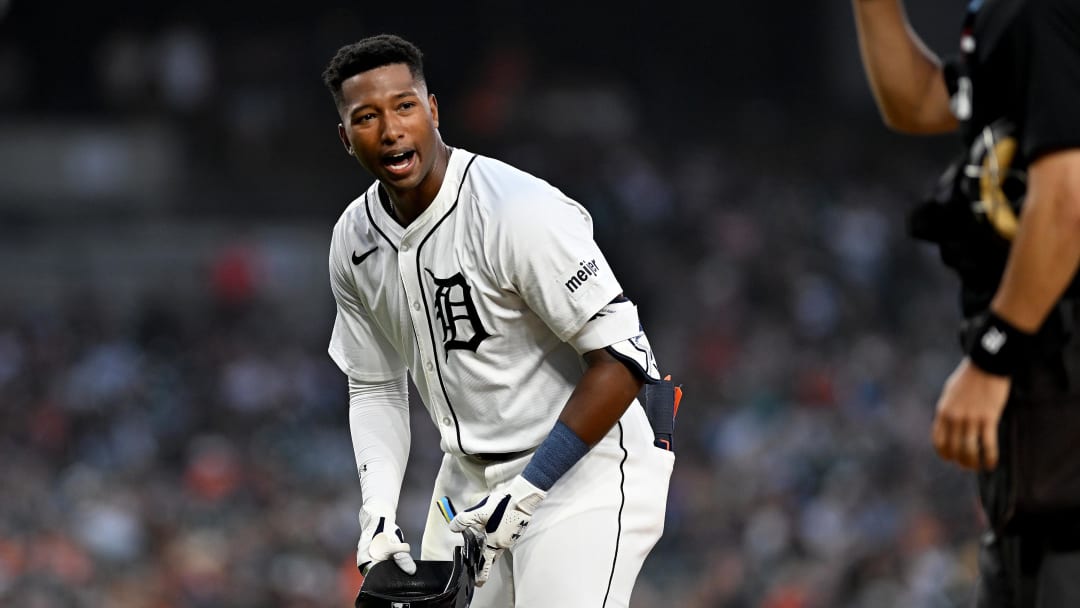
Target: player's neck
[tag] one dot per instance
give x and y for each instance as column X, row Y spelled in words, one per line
column 405, row 206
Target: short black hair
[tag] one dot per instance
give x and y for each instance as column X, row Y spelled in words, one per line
column 368, row 54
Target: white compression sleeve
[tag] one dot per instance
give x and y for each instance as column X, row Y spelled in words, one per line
column 379, row 424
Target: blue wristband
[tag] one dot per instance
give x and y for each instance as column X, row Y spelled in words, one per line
column 560, row 451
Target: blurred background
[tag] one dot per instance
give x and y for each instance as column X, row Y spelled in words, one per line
column 173, row 434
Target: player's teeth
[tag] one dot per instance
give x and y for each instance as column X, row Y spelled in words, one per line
column 398, row 161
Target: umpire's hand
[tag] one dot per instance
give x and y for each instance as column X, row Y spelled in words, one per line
column 966, row 426
column 381, row 539
column 503, row 516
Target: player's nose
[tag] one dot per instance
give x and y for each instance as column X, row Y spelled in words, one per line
column 392, row 129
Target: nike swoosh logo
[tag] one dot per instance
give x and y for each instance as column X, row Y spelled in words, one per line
column 356, row 259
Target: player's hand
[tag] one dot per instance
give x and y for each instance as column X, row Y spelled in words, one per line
column 966, row 426
column 503, row 516
column 380, row 540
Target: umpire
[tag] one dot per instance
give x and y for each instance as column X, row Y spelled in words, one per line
column 1006, row 217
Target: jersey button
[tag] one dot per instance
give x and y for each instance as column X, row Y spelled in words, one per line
column 429, row 365
column 404, row 247
column 446, row 420
column 416, row 305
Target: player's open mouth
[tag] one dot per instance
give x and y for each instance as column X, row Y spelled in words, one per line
column 399, row 163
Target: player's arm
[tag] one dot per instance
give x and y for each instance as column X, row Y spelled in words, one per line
column 601, row 396
column 905, row 76
column 619, row 361
column 379, row 426
column 378, row 413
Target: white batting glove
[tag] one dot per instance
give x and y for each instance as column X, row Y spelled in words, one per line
column 503, row 517
column 380, row 540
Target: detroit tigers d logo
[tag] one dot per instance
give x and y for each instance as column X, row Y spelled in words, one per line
column 455, row 310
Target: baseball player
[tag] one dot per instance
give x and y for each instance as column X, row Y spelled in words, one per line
column 484, row 282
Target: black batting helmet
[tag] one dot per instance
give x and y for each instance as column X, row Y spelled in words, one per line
column 436, row 584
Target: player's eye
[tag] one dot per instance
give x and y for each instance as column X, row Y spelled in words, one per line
column 364, row 118
column 407, row 105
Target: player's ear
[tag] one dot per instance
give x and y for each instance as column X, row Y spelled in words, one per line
column 434, row 103
column 344, row 139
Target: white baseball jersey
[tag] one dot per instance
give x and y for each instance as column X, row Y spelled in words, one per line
column 477, row 297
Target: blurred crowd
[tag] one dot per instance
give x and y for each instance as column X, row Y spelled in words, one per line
column 182, row 458
column 191, row 450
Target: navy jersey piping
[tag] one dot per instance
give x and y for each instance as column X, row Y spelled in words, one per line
column 371, row 219
column 622, row 503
